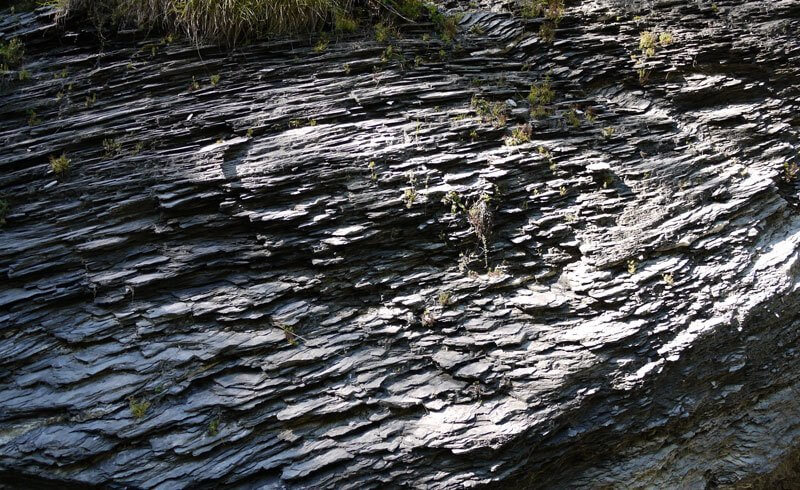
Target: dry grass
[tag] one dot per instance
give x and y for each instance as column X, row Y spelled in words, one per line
column 224, row 21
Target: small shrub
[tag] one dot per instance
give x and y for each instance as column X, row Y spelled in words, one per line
column 631, row 267
column 444, row 299
column 547, row 32
column 214, row 80
column 11, row 53
column 24, row 75
column 549, row 9
column 494, row 112
column 665, row 38
column 60, row 165
column 480, row 219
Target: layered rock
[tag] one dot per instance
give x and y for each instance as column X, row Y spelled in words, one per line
column 279, row 281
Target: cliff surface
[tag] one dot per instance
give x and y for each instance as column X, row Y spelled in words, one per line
column 367, row 266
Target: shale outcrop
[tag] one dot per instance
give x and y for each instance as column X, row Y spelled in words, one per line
column 367, row 265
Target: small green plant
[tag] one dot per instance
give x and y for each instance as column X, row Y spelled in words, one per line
column 322, row 44
column 250, row 133
column 549, row 9
column 547, row 32
column 494, row 112
column 385, row 32
column 790, row 171
column 138, row 408
column 409, row 196
column 214, row 80
column 665, row 39
column 631, row 267
column 137, row 148
column 213, row 427
column 33, row 119
column 562, row 191
column 608, row 132
column 60, row 165
column 195, row 85
column 289, row 333
column 647, row 43
column 669, row 280
column 112, row 147
column 540, row 96
column 373, row 175
column 11, row 53
column 519, row 135
column 427, row 319
column 24, row 75
column 90, row 100
column 444, row 299
column 572, row 118
column 589, row 115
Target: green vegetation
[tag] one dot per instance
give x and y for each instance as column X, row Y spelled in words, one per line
column 11, row 53
column 631, row 267
column 112, row 147
column 790, row 171
column 669, row 280
column 519, row 135
column 494, row 112
column 551, row 10
column 541, row 96
column 138, row 408
column 214, row 80
column 444, row 299
column 234, row 21
column 322, row 44
column 213, row 427
column 60, row 165
column 572, row 118
column 33, row 119
column 479, row 217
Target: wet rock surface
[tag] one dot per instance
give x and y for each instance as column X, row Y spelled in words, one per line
column 280, row 280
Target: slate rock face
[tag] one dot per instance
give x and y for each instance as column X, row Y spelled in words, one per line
column 277, row 281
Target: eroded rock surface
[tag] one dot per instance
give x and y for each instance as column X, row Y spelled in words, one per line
column 265, row 272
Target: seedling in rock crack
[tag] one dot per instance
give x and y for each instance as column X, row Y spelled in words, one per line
column 410, row 193
column 573, row 119
column 138, row 407
column 427, row 319
column 494, row 112
column 24, row 75
column 444, row 299
column 90, row 100
column 385, row 32
column 33, row 119
column 549, row 9
column 60, row 165
column 665, row 39
column 322, row 44
column 213, row 427
column 195, row 85
column 541, row 93
column 214, row 80
column 373, row 175
column 668, row 279
column 454, row 201
column 562, row 191
column 289, row 332
column 631, row 267
column 790, row 171
column 590, row 116
column 608, row 132
column 547, row 32
column 112, row 147
column 519, row 135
